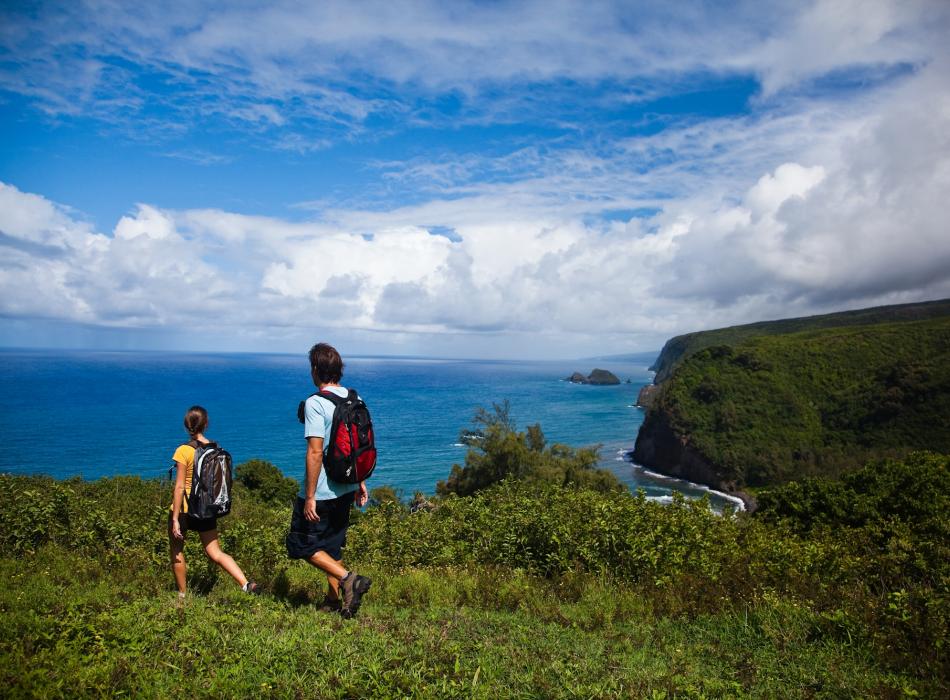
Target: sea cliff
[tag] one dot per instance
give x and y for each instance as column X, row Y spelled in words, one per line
column 757, row 405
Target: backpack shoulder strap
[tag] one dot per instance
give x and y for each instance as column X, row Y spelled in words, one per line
column 334, row 398
column 328, row 395
column 302, row 408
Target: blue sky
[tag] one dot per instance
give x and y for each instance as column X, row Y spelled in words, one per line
column 553, row 179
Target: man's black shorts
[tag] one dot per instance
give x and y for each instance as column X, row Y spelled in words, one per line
column 186, row 523
column 326, row 535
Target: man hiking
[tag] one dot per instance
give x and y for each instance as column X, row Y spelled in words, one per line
column 321, row 512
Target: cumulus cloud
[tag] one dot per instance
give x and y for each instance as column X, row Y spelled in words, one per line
column 869, row 226
column 859, row 221
column 812, row 203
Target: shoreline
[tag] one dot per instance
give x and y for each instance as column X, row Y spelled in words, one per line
column 740, row 504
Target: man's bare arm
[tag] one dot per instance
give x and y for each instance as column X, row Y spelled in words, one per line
column 314, row 465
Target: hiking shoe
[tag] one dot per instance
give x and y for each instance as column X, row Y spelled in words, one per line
column 330, row 605
column 354, row 588
column 252, row 588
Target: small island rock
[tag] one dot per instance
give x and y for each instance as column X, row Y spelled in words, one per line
column 578, row 378
column 602, row 377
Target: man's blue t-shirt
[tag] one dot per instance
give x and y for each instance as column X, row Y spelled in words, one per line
column 319, row 418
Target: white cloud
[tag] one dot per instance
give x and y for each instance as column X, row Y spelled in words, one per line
column 856, row 218
column 336, row 63
column 32, row 219
column 808, row 204
column 867, row 227
column 148, row 222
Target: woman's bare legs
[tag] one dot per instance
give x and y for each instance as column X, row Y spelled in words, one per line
column 209, row 540
column 176, row 553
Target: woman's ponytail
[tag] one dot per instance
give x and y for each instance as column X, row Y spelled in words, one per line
column 196, row 420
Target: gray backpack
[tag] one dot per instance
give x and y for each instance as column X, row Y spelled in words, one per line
column 210, row 495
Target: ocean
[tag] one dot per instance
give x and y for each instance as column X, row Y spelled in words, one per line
column 95, row 414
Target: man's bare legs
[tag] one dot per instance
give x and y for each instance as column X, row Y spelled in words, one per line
column 334, row 570
column 333, row 584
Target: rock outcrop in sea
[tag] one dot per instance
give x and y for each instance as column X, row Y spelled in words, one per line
column 599, row 377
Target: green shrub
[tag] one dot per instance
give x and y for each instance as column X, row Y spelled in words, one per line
column 265, row 481
column 384, row 494
column 497, row 452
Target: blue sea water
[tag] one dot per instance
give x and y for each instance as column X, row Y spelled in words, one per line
column 100, row 414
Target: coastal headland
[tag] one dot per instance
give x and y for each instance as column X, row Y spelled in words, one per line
column 751, row 406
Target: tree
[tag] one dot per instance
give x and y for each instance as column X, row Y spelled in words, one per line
column 501, row 452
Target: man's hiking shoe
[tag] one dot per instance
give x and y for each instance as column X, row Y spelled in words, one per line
column 330, row 605
column 252, row 588
column 354, row 588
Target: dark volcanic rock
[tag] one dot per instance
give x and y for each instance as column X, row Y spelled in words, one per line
column 602, row 376
column 646, row 396
column 661, row 449
column 658, row 447
column 578, row 378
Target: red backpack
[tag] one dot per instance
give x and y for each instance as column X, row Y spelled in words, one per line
column 350, row 456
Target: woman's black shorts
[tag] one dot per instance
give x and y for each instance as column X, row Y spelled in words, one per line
column 326, row 535
column 186, row 523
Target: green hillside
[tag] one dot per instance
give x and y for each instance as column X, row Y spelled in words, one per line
column 524, row 590
column 768, row 408
column 682, row 346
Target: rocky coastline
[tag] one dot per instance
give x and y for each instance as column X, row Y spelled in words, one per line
column 660, row 449
column 646, row 396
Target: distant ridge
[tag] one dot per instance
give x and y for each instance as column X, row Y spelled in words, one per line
column 645, row 356
column 682, row 346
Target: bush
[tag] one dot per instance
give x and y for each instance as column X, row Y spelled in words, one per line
column 265, row 481
column 893, row 514
column 497, row 452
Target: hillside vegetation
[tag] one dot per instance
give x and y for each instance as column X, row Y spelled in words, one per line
column 682, row 346
column 525, row 589
column 765, row 409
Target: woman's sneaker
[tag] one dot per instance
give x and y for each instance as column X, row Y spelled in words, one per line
column 354, row 588
column 252, row 588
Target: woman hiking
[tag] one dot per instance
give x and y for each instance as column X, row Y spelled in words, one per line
column 180, row 522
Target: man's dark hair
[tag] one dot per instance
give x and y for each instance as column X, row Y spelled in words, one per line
column 326, row 365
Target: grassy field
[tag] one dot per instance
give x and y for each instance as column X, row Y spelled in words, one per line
column 71, row 628
column 518, row 591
